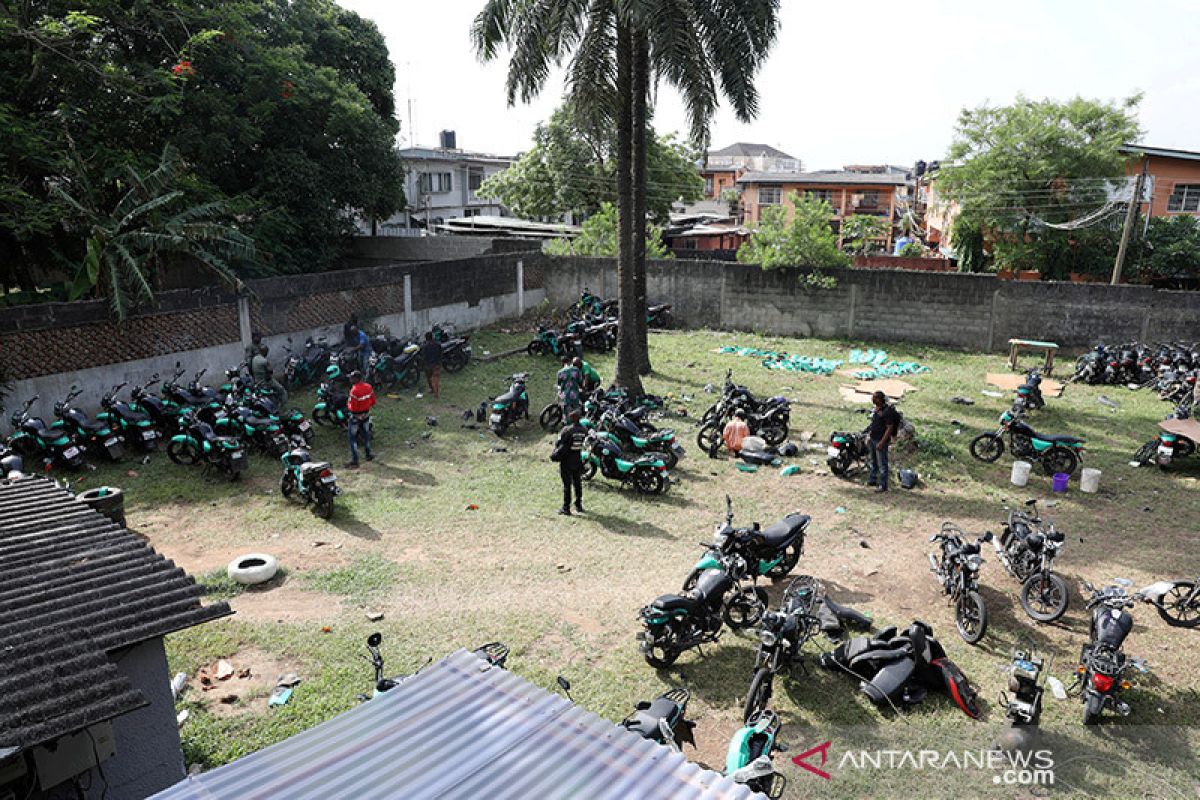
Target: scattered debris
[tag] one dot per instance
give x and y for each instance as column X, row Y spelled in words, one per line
column 1104, row 401
column 1051, row 503
column 374, row 616
column 244, row 673
column 748, row 467
column 472, row 507
column 319, row 543
column 181, row 717
column 1056, row 688
column 228, row 699
column 840, row 509
column 990, row 393
column 562, row 568
column 863, row 544
column 280, row 696
column 224, row 670
column 788, row 471
column 708, row 388
column 288, row 679
column 806, row 435
column 132, row 473
column 432, row 421
column 326, row 629
column 958, row 399
column 426, row 434
column 178, row 684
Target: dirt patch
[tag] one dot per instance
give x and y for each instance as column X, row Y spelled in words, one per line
column 285, row 603
column 255, row 673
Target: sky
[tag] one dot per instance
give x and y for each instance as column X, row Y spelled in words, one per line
column 867, row 82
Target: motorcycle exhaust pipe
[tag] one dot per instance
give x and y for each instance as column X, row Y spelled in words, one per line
column 933, row 564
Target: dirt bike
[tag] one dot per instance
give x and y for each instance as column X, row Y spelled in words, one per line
column 957, row 569
column 1055, row 453
column 1027, row 547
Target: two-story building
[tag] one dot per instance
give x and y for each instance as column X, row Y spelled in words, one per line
column 1174, row 179
column 440, row 184
column 723, row 167
column 849, row 192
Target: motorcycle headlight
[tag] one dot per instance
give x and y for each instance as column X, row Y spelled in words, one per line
column 974, row 562
column 767, row 637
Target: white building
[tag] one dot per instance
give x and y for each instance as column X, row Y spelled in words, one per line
column 440, row 185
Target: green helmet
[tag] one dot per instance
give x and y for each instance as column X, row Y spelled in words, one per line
column 333, row 372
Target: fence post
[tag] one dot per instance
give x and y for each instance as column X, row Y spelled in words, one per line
column 408, row 306
column 520, row 287
column 243, row 306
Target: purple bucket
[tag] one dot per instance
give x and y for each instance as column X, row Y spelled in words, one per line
column 1061, row 479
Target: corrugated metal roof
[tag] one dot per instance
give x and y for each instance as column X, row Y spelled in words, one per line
column 816, row 178
column 74, row 586
column 462, row 729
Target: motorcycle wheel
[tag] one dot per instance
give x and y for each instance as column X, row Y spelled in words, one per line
column 589, row 470
column 668, row 456
column 287, row 484
column 536, row 348
column 839, row 466
column 1059, row 459
column 455, row 361
column 708, row 439
column 1184, row 448
column 410, row 378
column 323, row 504
column 773, row 432
column 743, row 610
column 182, row 453
column 1175, row 612
column 709, row 415
column 663, row 653
column 648, row 482
column 499, row 428
column 790, row 558
column 970, row 616
column 551, row 418
column 987, row 447
column 320, row 417
column 759, row 695
column 1093, row 705
column 1145, row 454
column 1044, row 598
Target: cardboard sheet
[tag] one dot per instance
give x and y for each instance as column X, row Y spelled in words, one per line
column 1010, row 381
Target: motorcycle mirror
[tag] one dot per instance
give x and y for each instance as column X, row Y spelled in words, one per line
column 987, row 536
column 565, row 685
column 375, row 639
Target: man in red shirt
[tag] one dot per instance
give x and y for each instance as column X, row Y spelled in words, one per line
column 362, row 398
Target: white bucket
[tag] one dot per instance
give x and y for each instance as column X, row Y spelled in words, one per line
column 1089, row 480
column 1020, row 473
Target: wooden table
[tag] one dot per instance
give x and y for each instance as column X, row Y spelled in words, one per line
column 1016, row 345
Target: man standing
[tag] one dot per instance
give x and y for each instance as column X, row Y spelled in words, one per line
column 431, row 357
column 570, row 386
column 362, row 346
column 362, row 398
column 569, row 451
column 882, row 430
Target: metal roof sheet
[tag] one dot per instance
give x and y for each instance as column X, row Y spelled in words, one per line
column 817, row 178
column 462, row 729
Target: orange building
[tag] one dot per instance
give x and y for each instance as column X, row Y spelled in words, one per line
column 1174, row 175
column 850, row 193
column 723, row 167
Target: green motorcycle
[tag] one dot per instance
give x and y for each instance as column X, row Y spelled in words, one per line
column 198, row 443
column 748, row 759
column 1055, row 453
column 773, row 552
column 602, row 453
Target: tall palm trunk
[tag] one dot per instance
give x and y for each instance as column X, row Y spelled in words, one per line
column 627, row 345
column 641, row 80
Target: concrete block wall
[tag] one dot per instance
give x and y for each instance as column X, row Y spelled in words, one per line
column 368, row 251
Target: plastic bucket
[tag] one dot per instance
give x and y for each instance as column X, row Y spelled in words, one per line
column 1089, row 480
column 1020, row 473
column 1060, row 481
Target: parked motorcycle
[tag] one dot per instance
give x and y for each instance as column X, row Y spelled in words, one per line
column 1170, row 444
column 659, row 316
column 675, row 623
column 494, row 653
column 601, row 453
column 1023, row 708
column 307, row 366
column 387, row 367
column 957, row 569
column 1029, row 394
column 633, row 436
column 245, row 423
column 748, row 758
column 136, row 426
column 265, row 404
column 332, row 396
column 456, row 350
column 663, row 720
column 164, row 413
column 1027, row 548
column 549, row 341
column 1177, row 602
column 198, row 443
column 34, row 439
column 847, row 450
column 206, row 401
column 313, row 481
column 782, row 635
column 1102, row 663
column 766, row 418
column 512, row 406
column 773, row 552
column 97, row 436
column 1055, row 453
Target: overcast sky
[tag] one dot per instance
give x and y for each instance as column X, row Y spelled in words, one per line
column 872, row 81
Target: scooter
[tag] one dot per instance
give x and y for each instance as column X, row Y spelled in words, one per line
column 510, row 407
column 53, row 444
column 1102, row 663
column 773, row 552
column 663, row 720
column 134, row 424
column 1027, row 548
column 313, row 481
column 748, row 759
column 648, row 474
column 1055, row 453
column 96, row 436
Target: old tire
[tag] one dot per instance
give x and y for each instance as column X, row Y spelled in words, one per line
column 253, row 569
column 106, row 500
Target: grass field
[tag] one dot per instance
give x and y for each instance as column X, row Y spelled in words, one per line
column 564, row 593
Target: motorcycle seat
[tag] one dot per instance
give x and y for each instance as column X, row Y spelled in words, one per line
column 314, row 466
column 782, row 532
column 1064, row 439
column 644, row 722
column 256, row 421
column 298, row 456
column 509, row 396
column 674, row 602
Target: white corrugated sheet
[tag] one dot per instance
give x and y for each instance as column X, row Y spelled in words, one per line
column 461, row 729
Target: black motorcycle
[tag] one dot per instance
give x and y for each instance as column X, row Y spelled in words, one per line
column 456, row 350
column 53, row 444
column 243, row 422
column 1029, row 394
column 313, row 481
column 97, row 436
column 307, row 366
column 165, row 413
column 766, row 418
column 773, row 552
column 1101, row 661
column 394, row 362
column 205, row 400
column 135, row 425
column 602, row 453
column 782, row 635
column 1023, row 708
column 659, row 316
column 511, row 407
column 550, row 341
column 675, row 623
column 846, row 451
column 1027, row 548
column 957, row 569
column 663, row 720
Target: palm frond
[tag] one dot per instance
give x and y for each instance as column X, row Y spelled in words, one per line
column 592, row 73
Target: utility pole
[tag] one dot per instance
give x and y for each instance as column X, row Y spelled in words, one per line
column 1130, row 215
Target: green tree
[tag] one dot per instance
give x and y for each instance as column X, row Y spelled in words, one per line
column 571, row 169
column 1171, row 251
column 598, row 237
column 967, row 240
column 1013, row 169
column 150, row 224
column 807, row 241
column 613, row 53
column 860, row 232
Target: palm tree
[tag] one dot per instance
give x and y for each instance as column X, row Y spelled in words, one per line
column 124, row 245
column 619, row 50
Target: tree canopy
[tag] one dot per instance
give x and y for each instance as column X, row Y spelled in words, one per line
column 598, row 237
column 807, row 241
column 571, row 169
column 1015, row 168
column 281, row 110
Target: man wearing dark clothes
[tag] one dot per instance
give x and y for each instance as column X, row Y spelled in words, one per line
column 570, row 462
column 885, row 420
column 431, row 358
